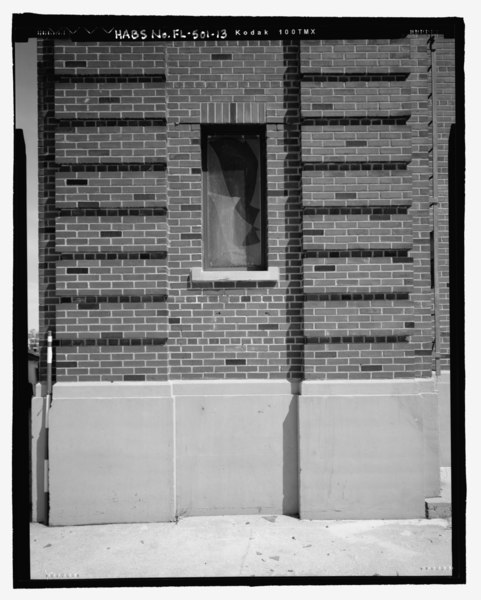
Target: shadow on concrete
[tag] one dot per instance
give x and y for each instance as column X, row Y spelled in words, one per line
column 39, row 454
column 294, row 298
column 290, row 465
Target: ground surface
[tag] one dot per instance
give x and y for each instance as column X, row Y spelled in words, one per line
column 242, row 546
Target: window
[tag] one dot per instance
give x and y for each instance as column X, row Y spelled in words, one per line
column 233, row 164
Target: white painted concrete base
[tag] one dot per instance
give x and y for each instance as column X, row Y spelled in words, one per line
column 444, row 400
column 110, row 454
column 362, row 449
column 236, row 448
column 150, row 452
column 135, row 452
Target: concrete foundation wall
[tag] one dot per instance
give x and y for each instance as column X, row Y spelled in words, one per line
column 236, row 448
column 116, row 456
column 111, row 454
column 362, row 450
column 150, row 452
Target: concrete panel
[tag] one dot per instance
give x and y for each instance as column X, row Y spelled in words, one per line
column 444, row 393
column 432, row 482
column 361, row 457
column 111, row 458
column 236, row 454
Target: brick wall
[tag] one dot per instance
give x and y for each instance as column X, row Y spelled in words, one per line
column 357, row 190
column 234, row 330
column 110, row 219
column 348, row 192
column 46, row 199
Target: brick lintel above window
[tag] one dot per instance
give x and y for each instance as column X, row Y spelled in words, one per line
column 233, row 112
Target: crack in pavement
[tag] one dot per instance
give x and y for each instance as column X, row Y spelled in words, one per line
column 246, row 552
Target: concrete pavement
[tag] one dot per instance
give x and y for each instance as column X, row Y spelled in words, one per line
column 242, row 546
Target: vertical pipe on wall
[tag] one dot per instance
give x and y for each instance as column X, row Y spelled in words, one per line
column 49, row 363
column 435, row 207
column 48, row 400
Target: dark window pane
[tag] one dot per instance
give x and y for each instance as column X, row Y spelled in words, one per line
column 233, row 202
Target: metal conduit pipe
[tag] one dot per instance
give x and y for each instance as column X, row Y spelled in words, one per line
column 48, row 401
column 435, row 208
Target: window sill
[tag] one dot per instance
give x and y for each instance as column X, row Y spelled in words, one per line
column 199, row 275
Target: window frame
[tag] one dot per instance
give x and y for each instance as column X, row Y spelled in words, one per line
column 235, row 130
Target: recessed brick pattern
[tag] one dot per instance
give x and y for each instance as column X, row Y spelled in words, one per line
column 337, row 121
column 354, row 210
column 355, row 165
column 106, row 78
column 84, row 167
column 153, row 255
column 356, row 76
column 90, row 211
column 363, row 297
column 358, row 339
column 95, row 301
column 111, row 340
